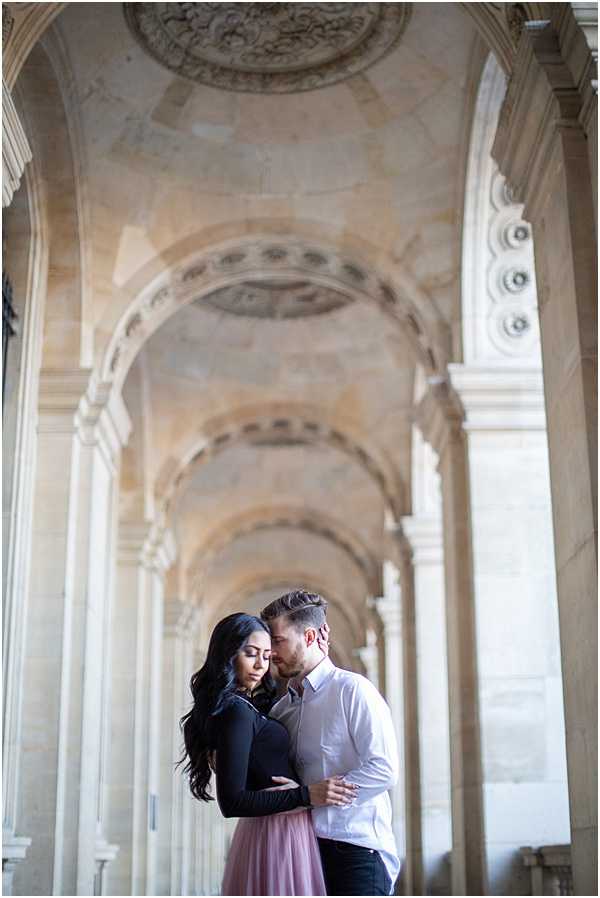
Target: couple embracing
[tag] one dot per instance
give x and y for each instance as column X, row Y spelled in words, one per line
column 308, row 774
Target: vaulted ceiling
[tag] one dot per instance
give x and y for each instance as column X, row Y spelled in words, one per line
column 271, row 413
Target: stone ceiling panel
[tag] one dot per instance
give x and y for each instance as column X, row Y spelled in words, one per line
column 246, row 478
column 350, row 364
column 248, row 559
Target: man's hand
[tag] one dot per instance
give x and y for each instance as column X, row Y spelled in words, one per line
column 323, row 638
column 333, row 791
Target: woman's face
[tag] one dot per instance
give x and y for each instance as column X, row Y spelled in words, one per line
column 252, row 660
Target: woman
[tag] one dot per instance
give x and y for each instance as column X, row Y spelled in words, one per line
column 274, row 850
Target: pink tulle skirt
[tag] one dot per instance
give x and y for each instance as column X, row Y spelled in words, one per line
column 274, row 855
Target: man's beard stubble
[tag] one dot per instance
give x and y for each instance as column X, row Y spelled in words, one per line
column 292, row 669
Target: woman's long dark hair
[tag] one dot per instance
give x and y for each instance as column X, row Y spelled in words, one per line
column 213, row 689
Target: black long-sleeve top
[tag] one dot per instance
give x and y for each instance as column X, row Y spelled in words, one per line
column 250, row 750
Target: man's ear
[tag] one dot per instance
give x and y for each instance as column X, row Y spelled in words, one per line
column 310, row 636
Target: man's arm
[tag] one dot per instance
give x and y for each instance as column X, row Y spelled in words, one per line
column 372, row 732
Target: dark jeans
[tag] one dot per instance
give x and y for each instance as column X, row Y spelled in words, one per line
column 352, row 869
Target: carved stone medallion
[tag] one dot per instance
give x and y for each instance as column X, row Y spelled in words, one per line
column 267, row 47
column 264, row 299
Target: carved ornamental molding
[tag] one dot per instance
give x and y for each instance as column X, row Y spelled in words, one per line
column 280, row 426
column 16, row 152
column 287, row 299
column 267, row 47
column 275, row 517
column 499, row 297
column 265, row 259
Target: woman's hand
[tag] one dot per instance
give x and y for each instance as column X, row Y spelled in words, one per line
column 333, row 791
column 323, row 638
column 286, row 783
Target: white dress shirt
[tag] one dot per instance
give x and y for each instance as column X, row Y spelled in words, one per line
column 341, row 725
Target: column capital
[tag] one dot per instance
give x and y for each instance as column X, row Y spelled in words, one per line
column 73, row 399
column 425, row 537
column 149, row 544
column 369, row 655
column 181, row 618
column 133, row 536
column 440, row 415
column 395, row 546
column 389, row 610
column 541, row 101
column 500, row 397
column 103, row 411
column 160, row 550
column 16, row 152
column 60, row 393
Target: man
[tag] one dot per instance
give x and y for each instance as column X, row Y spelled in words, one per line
column 339, row 725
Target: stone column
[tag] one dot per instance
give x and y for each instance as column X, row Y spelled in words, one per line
column 127, row 794
column 412, row 768
column 424, row 534
column 389, row 608
column 25, row 257
column 520, row 688
column 80, row 434
column 181, row 625
column 439, row 417
column 542, row 150
column 396, row 611
column 163, row 556
column 146, row 551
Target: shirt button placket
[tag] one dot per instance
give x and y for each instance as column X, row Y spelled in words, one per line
column 298, row 758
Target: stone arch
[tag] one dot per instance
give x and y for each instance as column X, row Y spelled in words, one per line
column 293, row 517
column 23, row 24
column 280, row 422
column 273, row 257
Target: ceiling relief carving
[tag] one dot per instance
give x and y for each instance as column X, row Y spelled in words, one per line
column 258, row 299
column 267, row 47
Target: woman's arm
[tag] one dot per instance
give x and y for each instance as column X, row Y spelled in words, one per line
column 236, row 732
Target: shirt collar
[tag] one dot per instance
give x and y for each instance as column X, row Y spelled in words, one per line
column 317, row 677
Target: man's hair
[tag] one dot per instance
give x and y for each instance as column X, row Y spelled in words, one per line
column 301, row 608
